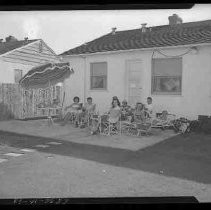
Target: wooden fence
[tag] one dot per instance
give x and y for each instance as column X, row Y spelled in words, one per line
column 18, row 103
column 11, row 101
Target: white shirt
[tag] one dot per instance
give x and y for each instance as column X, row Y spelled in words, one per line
column 150, row 110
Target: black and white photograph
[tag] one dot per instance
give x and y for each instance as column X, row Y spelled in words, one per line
column 105, row 103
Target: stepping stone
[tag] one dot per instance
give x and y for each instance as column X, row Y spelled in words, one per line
column 54, row 143
column 27, row 150
column 42, row 146
column 3, row 160
column 12, row 154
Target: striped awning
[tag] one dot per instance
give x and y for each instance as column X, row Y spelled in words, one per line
column 45, row 75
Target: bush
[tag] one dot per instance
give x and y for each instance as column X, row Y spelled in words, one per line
column 5, row 112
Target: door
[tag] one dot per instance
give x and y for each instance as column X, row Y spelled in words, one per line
column 134, row 81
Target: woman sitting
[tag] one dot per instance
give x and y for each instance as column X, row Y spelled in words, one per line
column 74, row 111
column 114, row 114
column 115, row 111
column 112, row 117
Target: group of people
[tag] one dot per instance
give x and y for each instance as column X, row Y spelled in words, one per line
column 81, row 114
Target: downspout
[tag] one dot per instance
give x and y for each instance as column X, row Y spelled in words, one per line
column 84, row 95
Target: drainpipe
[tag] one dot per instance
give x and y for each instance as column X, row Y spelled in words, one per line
column 84, row 57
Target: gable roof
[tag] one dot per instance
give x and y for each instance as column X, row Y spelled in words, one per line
column 11, row 45
column 158, row 36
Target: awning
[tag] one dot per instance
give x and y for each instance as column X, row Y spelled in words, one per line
column 46, row 75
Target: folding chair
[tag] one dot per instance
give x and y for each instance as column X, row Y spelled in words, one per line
column 137, row 128
column 108, row 128
column 164, row 121
column 94, row 123
column 144, row 127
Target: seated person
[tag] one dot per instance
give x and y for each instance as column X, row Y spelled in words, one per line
column 115, row 111
column 139, row 114
column 88, row 110
column 149, row 108
column 112, row 117
column 74, row 110
column 89, row 107
column 126, row 110
column 162, row 118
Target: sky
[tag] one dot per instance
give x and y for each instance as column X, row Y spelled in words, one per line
column 63, row 30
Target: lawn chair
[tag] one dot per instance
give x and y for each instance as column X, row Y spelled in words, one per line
column 94, row 123
column 86, row 119
column 144, row 127
column 108, row 127
column 165, row 120
column 137, row 128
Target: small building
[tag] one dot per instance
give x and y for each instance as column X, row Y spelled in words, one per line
column 17, row 57
column 171, row 63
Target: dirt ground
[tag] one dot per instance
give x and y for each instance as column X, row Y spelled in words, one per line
column 81, row 166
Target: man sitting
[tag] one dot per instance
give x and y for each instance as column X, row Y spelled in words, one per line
column 149, row 108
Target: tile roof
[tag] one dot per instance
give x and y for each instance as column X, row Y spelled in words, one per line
column 8, row 46
column 158, row 36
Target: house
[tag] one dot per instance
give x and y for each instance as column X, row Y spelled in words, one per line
column 17, row 57
column 171, row 63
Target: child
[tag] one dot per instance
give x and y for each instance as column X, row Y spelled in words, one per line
column 139, row 113
column 75, row 110
column 162, row 118
column 125, row 110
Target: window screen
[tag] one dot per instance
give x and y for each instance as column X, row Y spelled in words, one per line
column 167, row 75
column 98, row 73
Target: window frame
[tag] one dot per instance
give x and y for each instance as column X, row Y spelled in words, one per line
column 105, row 77
column 153, row 78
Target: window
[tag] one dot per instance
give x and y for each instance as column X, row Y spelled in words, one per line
column 98, row 75
column 18, row 75
column 167, row 76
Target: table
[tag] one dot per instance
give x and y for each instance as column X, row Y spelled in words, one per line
column 49, row 111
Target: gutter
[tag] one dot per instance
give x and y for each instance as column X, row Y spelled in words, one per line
column 140, row 49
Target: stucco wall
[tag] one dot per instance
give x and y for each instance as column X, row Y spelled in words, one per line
column 74, row 85
column 196, row 81
column 7, row 71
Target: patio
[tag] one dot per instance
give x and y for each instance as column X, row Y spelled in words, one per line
column 83, row 165
column 40, row 128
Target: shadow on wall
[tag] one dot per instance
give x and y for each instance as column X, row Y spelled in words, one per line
column 5, row 112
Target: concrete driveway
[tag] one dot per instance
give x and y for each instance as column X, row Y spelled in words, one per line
column 73, row 164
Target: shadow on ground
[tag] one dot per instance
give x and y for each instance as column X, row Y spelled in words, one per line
column 186, row 157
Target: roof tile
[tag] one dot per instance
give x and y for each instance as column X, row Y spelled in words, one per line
column 159, row 36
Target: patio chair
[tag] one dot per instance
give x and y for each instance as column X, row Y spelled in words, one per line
column 86, row 118
column 108, row 127
column 137, row 128
column 144, row 127
column 94, row 123
column 165, row 120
